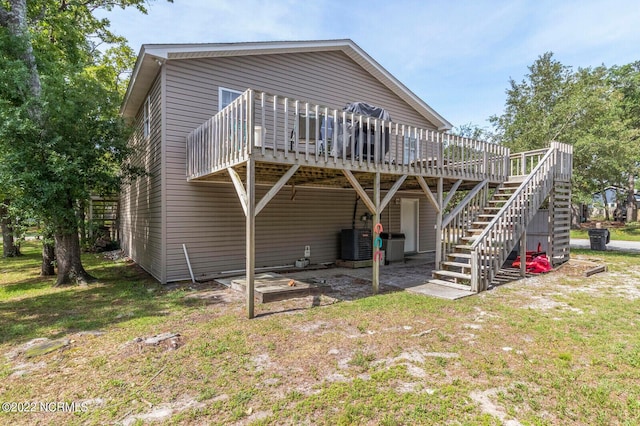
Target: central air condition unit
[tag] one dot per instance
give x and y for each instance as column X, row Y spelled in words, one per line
column 356, row 244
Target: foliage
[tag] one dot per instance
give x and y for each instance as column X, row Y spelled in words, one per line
column 61, row 137
column 473, row 131
column 592, row 109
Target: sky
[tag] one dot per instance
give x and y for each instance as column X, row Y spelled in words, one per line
column 457, row 55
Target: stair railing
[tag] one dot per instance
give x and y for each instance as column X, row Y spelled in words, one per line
column 461, row 217
column 490, row 250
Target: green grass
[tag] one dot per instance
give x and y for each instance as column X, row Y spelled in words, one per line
column 557, row 349
column 630, row 232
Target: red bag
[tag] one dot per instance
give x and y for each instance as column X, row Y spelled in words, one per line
column 535, row 265
column 539, row 265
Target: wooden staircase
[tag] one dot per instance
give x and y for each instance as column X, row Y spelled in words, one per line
column 456, row 268
column 484, row 228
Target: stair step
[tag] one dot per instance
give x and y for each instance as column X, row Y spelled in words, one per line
column 469, row 239
column 451, row 274
column 481, row 224
column 462, row 247
column 475, row 231
column 459, row 255
column 450, row 284
column 492, row 208
column 456, row 264
column 486, row 215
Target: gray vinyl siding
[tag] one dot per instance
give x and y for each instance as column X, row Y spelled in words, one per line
column 141, row 211
column 208, row 218
column 314, row 217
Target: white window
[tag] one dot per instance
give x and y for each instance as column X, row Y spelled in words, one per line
column 410, row 144
column 146, row 117
column 226, row 96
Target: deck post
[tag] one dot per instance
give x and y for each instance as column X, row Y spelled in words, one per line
column 375, row 235
column 250, row 235
column 523, row 253
column 438, row 258
column 251, row 211
column 550, row 224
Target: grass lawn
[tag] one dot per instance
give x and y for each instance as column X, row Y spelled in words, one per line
column 628, row 232
column 555, row 349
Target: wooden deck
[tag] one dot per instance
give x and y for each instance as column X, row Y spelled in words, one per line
column 269, row 139
column 279, row 133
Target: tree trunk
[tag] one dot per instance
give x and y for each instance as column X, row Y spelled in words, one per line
column 80, row 213
column 48, row 257
column 15, row 19
column 9, row 247
column 576, row 215
column 607, row 217
column 632, row 208
column 70, row 269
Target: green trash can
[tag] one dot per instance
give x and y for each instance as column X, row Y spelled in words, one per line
column 599, row 238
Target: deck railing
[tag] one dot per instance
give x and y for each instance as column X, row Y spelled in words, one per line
column 490, row 250
column 281, row 129
column 522, row 163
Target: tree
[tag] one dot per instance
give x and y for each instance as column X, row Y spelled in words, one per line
column 13, row 84
column 535, row 110
column 9, row 247
column 626, row 81
column 60, row 129
column 473, row 131
column 581, row 108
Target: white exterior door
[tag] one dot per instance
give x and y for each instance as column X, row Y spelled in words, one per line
column 409, row 224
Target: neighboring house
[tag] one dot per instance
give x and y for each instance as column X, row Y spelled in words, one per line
column 615, row 197
column 209, row 144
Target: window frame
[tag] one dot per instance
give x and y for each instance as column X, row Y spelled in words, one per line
column 410, row 149
column 225, row 89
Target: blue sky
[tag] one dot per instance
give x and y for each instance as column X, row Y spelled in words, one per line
column 456, row 55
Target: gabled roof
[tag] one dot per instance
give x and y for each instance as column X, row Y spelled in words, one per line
column 152, row 56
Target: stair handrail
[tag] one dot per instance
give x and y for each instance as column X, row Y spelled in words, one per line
column 543, row 172
column 465, row 201
column 465, row 212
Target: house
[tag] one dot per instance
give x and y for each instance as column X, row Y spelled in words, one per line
column 616, row 202
column 253, row 162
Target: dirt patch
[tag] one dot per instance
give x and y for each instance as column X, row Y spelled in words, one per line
column 485, row 399
column 162, row 412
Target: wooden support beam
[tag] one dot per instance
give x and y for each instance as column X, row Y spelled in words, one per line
column 523, row 254
column 237, row 183
column 438, row 258
column 376, row 220
column 450, row 195
column 428, row 193
column 387, row 198
column 250, row 236
column 361, row 192
column 276, row 188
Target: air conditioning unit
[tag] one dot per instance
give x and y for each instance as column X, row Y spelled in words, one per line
column 356, row 244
